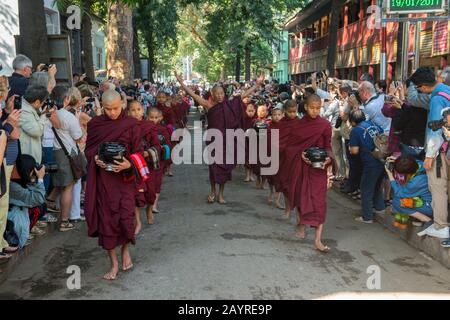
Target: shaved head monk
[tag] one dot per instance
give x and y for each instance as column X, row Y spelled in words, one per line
column 222, row 114
column 110, row 195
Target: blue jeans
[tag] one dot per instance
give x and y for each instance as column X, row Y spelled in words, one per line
column 371, row 191
column 47, row 157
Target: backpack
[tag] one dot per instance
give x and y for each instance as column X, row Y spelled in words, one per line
column 381, row 142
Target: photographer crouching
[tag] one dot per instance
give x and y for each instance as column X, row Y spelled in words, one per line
column 110, row 192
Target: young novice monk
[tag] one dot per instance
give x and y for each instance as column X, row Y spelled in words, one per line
column 155, row 116
column 145, row 196
column 305, row 186
column 277, row 115
column 285, row 126
column 262, row 114
column 249, row 119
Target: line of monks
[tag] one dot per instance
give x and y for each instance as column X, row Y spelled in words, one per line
column 114, row 198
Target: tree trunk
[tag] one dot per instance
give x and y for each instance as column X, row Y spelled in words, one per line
column 248, row 61
column 119, row 42
column 136, row 53
column 33, row 40
column 238, row 65
column 151, row 54
column 86, row 29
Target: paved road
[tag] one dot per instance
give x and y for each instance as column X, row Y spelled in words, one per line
column 241, row 250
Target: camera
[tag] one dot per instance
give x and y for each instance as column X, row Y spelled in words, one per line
column 49, row 167
column 444, row 122
column 45, row 67
column 389, row 165
column 89, row 106
column 317, row 156
column 110, row 152
column 18, row 102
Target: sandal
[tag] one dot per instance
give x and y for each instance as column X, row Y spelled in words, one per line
column 10, row 251
column 66, row 226
column 4, row 256
column 211, row 199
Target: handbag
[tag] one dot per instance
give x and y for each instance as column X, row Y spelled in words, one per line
column 78, row 162
column 2, row 181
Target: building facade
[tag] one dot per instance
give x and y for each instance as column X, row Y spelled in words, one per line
column 355, row 46
column 280, row 58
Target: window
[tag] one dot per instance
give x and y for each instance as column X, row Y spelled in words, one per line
column 52, row 21
column 99, row 53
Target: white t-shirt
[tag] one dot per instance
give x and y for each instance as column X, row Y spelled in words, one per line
column 69, row 132
column 48, row 138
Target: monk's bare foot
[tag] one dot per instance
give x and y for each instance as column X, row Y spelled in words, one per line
column 270, row 200
column 127, row 264
column 252, row 179
column 138, row 228
column 150, row 218
column 222, row 200
column 279, row 206
column 111, row 274
column 155, row 210
column 319, row 246
column 247, row 179
column 301, row 232
column 286, row 216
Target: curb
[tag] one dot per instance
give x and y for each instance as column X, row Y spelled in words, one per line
column 7, row 267
column 428, row 245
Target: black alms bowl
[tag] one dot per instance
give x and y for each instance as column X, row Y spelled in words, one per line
column 110, row 151
column 317, row 156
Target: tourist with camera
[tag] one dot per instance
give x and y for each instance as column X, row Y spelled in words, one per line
column 26, row 191
column 362, row 143
column 9, row 136
column 410, row 188
column 436, row 162
column 65, row 150
column 110, row 191
column 35, row 113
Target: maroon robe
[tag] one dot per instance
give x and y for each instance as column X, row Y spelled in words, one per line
column 256, row 168
column 305, row 187
column 149, row 138
column 228, row 114
column 110, row 197
column 248, row 124
column 156, row 176
column 169, row 116
column 181, row 109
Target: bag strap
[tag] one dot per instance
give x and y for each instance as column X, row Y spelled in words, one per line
column 61, row 143
column 444, row 94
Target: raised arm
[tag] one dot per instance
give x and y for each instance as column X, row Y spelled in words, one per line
column 252, row 90
column 204, row 103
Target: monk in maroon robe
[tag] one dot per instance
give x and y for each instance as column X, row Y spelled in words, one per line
column 145, row 193
column 163, row 103
column 249, row 120
column 305, row 186
column 156, row 176
column 222, row 114
column 110, row 196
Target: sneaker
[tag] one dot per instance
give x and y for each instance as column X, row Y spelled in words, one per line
column 50, row 218
column 427, row 225
column 446, row 243
column 361, row 219
column 380, row 211
column 438, row 233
